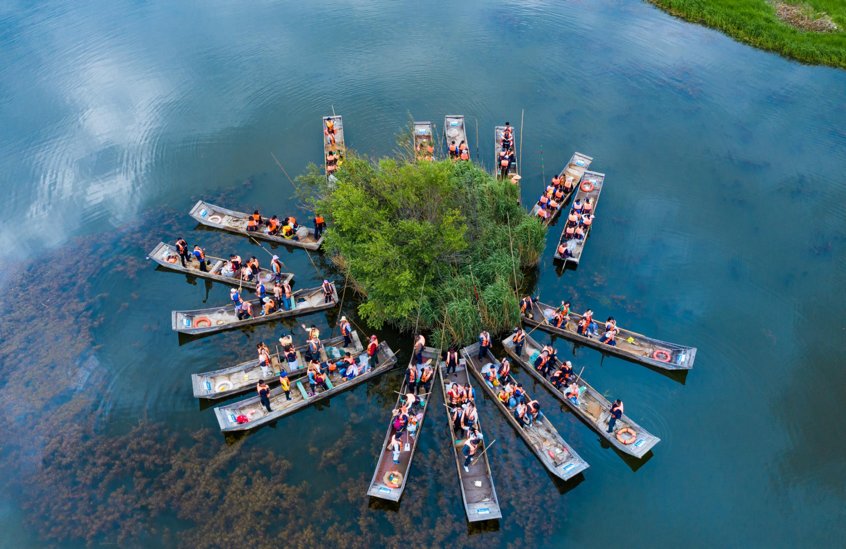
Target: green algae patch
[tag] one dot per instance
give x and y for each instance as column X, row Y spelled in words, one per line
column 444, row 238
column 812, row 31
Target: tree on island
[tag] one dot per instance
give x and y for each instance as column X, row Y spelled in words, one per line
column 443, row 230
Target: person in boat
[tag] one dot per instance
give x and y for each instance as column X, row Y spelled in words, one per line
column 456, row 414
column 394, row 447
column 451, row 360
column 504, row 162
column 313, row 348
column 559, row 319
column 573, row 393
column 252, row 225
column 346, row 331
column 521, row 414
column 588, row 206
column 312, row 372
column 319, row 226
column 427, row 374
column 400, row 421
column 533, row 412
column 182, row 250
column 469, row 418
column 373, row 351
column 200, row 256
column 352, row 368
column 610, row 335
column 484, row 344
column 263, row 390
column 470, row 450
column 543, row 362
column 578, row 206
column 291, row 358
column 519, row 395
column 419, row 344
column 489, row 375
column 519, row 339
column 563, row 249
column 580, row 233
column 289, row 296
column 586, row 221
column 261, row 290
column 328, row 292
column 465, row 153
column 257, row 218
column 273, row 225
column 505, row 393
column 504, row 371
column 331, row 163
column 264, row 359
column 453, row 150
column 567, row 185
column 235, row 297
column 343, row 365
column 543, row 214
column 454, row 395
column 329, row 131
column 411, row 378
column 590, row 325
column 616, row 414
column 269, row 306
column 284, row 382
column 236, row 263
column 287, row 231
column 246, row 310
column 276, row 268
column 468, row 394
column 527, row 304
column 558, row 378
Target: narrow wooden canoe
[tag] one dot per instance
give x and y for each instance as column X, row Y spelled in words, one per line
column 166, row 256
column 594, row 181
column 512, row 169
column 630, row 345
column 217, row 319
column 574, row 170
column 593, row 408
column 543, row 439
column 236, row 222
column 252, row 409
column 340, row 145
column 424, row 141
column 244, row 376
column 389, row 478
column 477, row 486
column 454, row 130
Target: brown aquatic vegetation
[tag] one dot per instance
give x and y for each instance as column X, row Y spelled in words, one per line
column 804, row 17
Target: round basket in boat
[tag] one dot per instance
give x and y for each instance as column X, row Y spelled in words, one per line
column 393, row 479
column 222, row 386
column 453, row 132
column 214, row 218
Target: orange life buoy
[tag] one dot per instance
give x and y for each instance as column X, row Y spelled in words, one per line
column 587, row 186
column 393, row 479
column 662, row 354
column 626, row 440
column 202, row 322
column 171, row 259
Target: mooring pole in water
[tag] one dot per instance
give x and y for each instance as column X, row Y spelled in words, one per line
column 520, row 164
column 333, row 110
column 477, row 144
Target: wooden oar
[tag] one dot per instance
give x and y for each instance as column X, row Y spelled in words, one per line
column 475, row 459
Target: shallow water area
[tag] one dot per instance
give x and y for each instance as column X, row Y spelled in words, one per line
column 722, row 225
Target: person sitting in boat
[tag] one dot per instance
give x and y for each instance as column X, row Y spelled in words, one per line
column 519, row 395
column 469, row 418
column 287, row 232
column 559, row 319
column 504, row 372
column 456, row 414
column 563, row 249
column 489, row 375
column 342, row 366
column 542, row 363
column 411, row 378
column 453, row 150
column 504, row 162
column 559, row 378
column 520, row 414
column 352, row 369
column 331, row 163
column 273, row 225
column 588, row 207
column 586, row 221
column 256, row 216
column 426, row 376
column 518, row 339
column 533, row 412
column 573, row 393
column 469, row 394
column 465, row 153
column 591, row 325
column 578, row 206
column 504, row 394
column 470, row 449
column 453, row 395
column 543, row 213
column 579, row 233
column 558, row 196
column 236, row 262
column 569, row 232
column 329, row 131
column 609, row 337
column 270, row 306
column 246, row 310
column 572, row 219
column 567, row 185
column 252, row 226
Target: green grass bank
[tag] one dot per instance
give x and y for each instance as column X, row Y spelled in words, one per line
column 813, row 31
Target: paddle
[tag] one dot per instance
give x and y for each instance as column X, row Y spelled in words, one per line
column 475, row 459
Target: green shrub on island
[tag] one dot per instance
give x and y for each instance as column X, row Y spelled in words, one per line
column 443, row 230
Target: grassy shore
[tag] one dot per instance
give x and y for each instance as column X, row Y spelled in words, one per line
column 781, row 26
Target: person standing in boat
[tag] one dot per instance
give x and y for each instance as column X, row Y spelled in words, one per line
column 527, row 305
column 616, row 413
column 504, row 372
column 291, row 359
column 328, row 291
column 284, row 382
column 182, row 250
column 484, row 344
column 290, row 304
column 419, row 344
column 263, row 391
column 470, row 449
column 200, row 256
column 426, row 376
column 452, row 360
column 346, row 331
column 453, row 150
column 411, row 378
column 373, row 351
column 319, row 226
column 276, row 268
column 519, row 340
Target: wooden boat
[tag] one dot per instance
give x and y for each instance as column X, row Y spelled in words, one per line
column 593, row 408
column 236, row 222
column 339, row 147
column 477, row 487
column 251, row 408
column 454, row 130
column 167, row 256
column 424, row 141
column 389, row 478
column 589, row 188
column 244, row 376
column 217, row 319
column 512, row 168
column 574, row 170
column 557, row 456
column 630, row 345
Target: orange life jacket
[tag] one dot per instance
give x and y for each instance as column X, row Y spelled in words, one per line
column 465, row 155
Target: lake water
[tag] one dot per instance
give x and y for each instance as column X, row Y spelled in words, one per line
column 722, row 226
